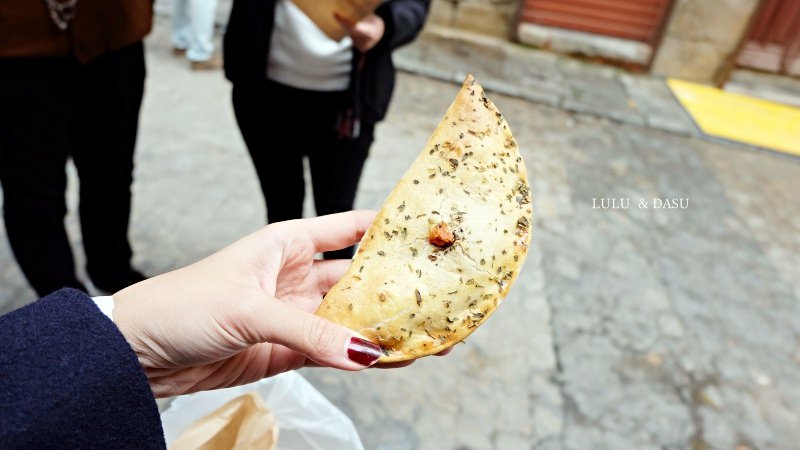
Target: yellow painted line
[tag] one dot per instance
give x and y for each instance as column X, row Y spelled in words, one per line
column 740, row 117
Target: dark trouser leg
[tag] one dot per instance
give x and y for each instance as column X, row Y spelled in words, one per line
column 274, row 143
column 335, row 172
column 105, row 122
column 35, row 112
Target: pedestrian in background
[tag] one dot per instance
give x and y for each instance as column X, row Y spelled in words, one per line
column 193, row 33
column 71, row 84
column 297, row 93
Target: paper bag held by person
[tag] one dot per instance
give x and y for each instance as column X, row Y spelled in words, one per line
column 324, row 12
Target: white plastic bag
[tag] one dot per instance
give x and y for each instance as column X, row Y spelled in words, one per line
column 306, row 419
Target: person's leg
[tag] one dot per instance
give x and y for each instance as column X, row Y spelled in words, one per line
column 269, row 138
column 181, row 31
column 103, row 140
column 201, row 19
column 335, row 172
column 36, row 99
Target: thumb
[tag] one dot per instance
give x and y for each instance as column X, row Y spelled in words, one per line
column 321, row 340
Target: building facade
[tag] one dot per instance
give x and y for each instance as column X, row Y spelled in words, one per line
column 699, row 40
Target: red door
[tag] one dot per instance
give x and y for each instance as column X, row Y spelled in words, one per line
column 638, row 20
column 774, row 40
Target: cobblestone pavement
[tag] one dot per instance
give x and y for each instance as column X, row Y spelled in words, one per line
column 628, row 328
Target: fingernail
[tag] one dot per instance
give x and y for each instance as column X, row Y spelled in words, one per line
column 363, row 351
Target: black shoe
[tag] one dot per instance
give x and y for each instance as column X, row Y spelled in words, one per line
column 117, row 281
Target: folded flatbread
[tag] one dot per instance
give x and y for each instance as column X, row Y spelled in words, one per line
column 447, row 244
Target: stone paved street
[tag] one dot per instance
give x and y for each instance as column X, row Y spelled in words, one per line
column 546, row 78
column 628, row 328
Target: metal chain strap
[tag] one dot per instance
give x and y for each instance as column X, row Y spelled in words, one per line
column 61, row 12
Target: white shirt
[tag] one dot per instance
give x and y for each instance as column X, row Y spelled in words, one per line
column 106, row 305
column 302, row 56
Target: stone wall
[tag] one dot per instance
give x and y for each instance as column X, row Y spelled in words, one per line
column 700, row 37
column 490, row 17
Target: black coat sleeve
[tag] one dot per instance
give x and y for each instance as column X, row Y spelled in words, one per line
column 374, row 82
column 403, row 20
column 245, row 45
column 68, row 379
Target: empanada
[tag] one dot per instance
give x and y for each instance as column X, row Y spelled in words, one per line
column 448, row 242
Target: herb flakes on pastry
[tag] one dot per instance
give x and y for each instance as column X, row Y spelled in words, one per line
column 448, row 242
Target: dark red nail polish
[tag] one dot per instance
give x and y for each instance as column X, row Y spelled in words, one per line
column 362, row 351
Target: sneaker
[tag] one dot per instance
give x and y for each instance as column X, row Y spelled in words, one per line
column 213, row 63
column 118, row 281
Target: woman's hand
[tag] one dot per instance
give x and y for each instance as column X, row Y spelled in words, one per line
column 245, row 312
column 365, row 33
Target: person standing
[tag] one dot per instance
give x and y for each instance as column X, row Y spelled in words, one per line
column 71, row 83
column 328, row 97
column 193, row 33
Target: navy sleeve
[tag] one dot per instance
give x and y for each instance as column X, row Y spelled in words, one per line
column 403, row 20
column 68, row 379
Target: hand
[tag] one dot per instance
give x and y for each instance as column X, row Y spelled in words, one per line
column 245, row 312
column 365, row 33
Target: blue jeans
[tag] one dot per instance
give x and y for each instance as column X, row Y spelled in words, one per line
column 193, row 28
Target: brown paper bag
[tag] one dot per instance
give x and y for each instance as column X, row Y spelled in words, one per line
column 322, row 13
column 243, row 423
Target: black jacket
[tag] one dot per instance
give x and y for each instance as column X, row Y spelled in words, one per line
column 247, row 40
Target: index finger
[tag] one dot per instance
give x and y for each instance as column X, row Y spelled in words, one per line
column 336, row 231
